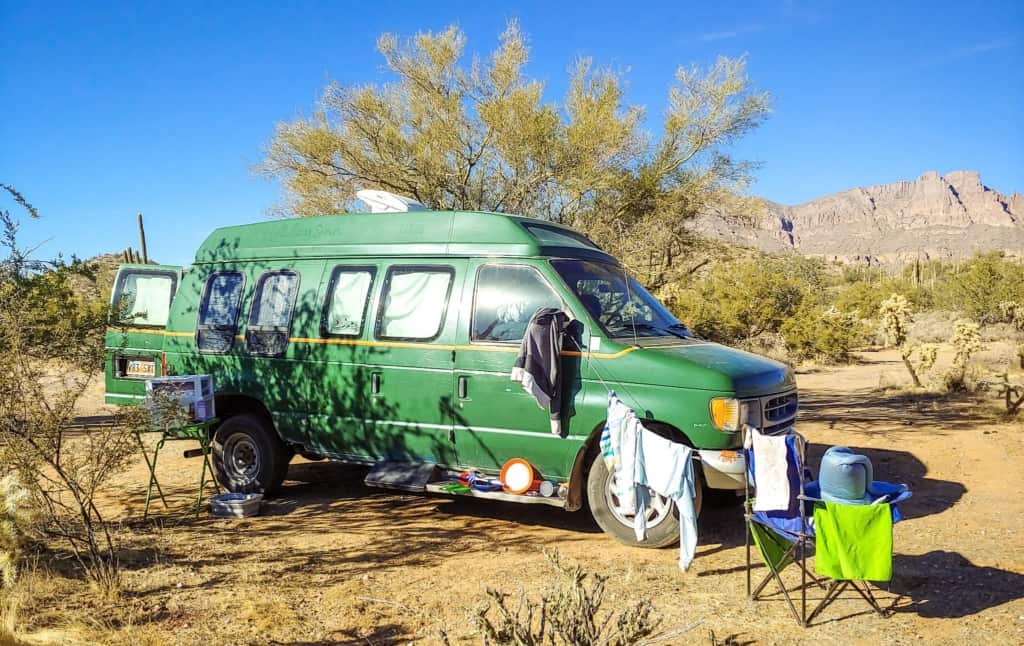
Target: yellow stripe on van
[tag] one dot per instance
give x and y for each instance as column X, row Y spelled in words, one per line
column 408, row 344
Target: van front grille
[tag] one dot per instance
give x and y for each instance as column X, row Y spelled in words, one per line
column 774, row 413
column 781, row 408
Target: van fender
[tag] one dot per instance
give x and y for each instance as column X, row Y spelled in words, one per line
column 586, row 453
column 231, row 404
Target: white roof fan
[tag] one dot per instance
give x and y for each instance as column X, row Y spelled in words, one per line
column 384, row 202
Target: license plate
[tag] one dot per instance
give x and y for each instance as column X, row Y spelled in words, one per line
column 141, row 369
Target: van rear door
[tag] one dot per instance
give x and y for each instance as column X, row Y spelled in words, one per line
column 139, row 306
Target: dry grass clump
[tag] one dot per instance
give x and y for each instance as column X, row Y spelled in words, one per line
column 568, row 613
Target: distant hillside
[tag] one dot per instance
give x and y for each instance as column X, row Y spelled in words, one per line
column 935, row 216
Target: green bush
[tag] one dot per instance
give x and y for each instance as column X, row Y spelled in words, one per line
column 826, row 335
column 979, row 286
column 739, row 301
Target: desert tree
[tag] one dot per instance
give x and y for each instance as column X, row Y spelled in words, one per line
column 480, row 135
column 51, row 348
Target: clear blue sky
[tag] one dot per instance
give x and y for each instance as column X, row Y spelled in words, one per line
column 107, row 110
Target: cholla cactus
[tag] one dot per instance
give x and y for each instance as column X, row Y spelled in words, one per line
column 966, row 341
column 927, row 353
column 895, row 314
column 15, row 515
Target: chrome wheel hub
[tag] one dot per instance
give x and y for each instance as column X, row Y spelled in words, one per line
column 659, row 508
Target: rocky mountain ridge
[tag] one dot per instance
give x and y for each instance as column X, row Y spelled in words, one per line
column 935, row 216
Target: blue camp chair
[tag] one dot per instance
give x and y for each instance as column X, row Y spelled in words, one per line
column 788, row 536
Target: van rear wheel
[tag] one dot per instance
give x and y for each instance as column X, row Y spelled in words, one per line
column 248, row 456
column 615, row 519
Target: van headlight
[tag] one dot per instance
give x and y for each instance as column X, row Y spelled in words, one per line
column 725, row 414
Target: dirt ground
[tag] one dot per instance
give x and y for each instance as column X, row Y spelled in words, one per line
column 332, row 561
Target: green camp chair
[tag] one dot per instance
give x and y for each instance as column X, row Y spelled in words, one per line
column 851, row 543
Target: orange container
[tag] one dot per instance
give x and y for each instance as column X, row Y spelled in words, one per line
column 518, row 476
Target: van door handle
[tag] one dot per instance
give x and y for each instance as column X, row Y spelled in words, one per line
column 463, row 388
column 375, row 383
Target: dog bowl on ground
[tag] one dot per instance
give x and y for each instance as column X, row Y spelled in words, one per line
column 235, row 505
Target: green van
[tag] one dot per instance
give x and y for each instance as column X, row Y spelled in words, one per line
column 391, row 337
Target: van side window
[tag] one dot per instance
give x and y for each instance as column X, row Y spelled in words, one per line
column 270, row 316
column 414, row 303
column 143, row 297
column 347, row 297
column 218, row 312
column 505, row 299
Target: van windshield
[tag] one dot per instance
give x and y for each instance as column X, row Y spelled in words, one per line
column 621, row 309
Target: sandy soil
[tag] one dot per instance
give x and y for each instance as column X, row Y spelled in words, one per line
column 332, row 561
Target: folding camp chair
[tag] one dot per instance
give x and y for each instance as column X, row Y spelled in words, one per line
column 782, row 537
column 854, row 543
column 786, row 537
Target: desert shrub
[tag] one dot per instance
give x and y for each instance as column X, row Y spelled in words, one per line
column 568, row 613
column 979, row 286
column 824, row 334
column 860, row 298
column 740, row 301
column 1012, row 312
column 51, row 348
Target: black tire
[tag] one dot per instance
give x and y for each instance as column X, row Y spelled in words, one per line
column 662, row 531
column 248, row 455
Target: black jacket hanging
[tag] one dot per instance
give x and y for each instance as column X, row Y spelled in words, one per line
column 538, row 365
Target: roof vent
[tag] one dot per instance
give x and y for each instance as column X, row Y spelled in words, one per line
column 384, row 202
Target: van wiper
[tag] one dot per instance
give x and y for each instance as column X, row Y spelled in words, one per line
column 663, row 330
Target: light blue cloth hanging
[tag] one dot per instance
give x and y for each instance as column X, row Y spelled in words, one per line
column 666, row 468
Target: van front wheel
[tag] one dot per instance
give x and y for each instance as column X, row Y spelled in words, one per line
column 248, row 456
column 615, row 519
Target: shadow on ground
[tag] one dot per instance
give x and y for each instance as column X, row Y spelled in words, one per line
column 873, row 412
column 943, row 584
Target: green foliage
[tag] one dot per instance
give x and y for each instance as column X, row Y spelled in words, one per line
column 824, row 334
column 979, row 286
column 51, row 348
column 568, row 614
column 739, row 301
column 482, row 137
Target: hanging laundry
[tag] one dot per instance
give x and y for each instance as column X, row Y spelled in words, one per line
column 618, row 449
column 611, row 435
column 537, row 366
column 626, row 457
column 666, row 468
column 772, row 473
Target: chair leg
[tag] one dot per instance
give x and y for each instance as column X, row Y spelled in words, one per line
column 870, row 598
column 746, row 540
column 774, row 574
column 834, row 590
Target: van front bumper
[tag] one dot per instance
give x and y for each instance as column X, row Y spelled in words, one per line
column 723, row 469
